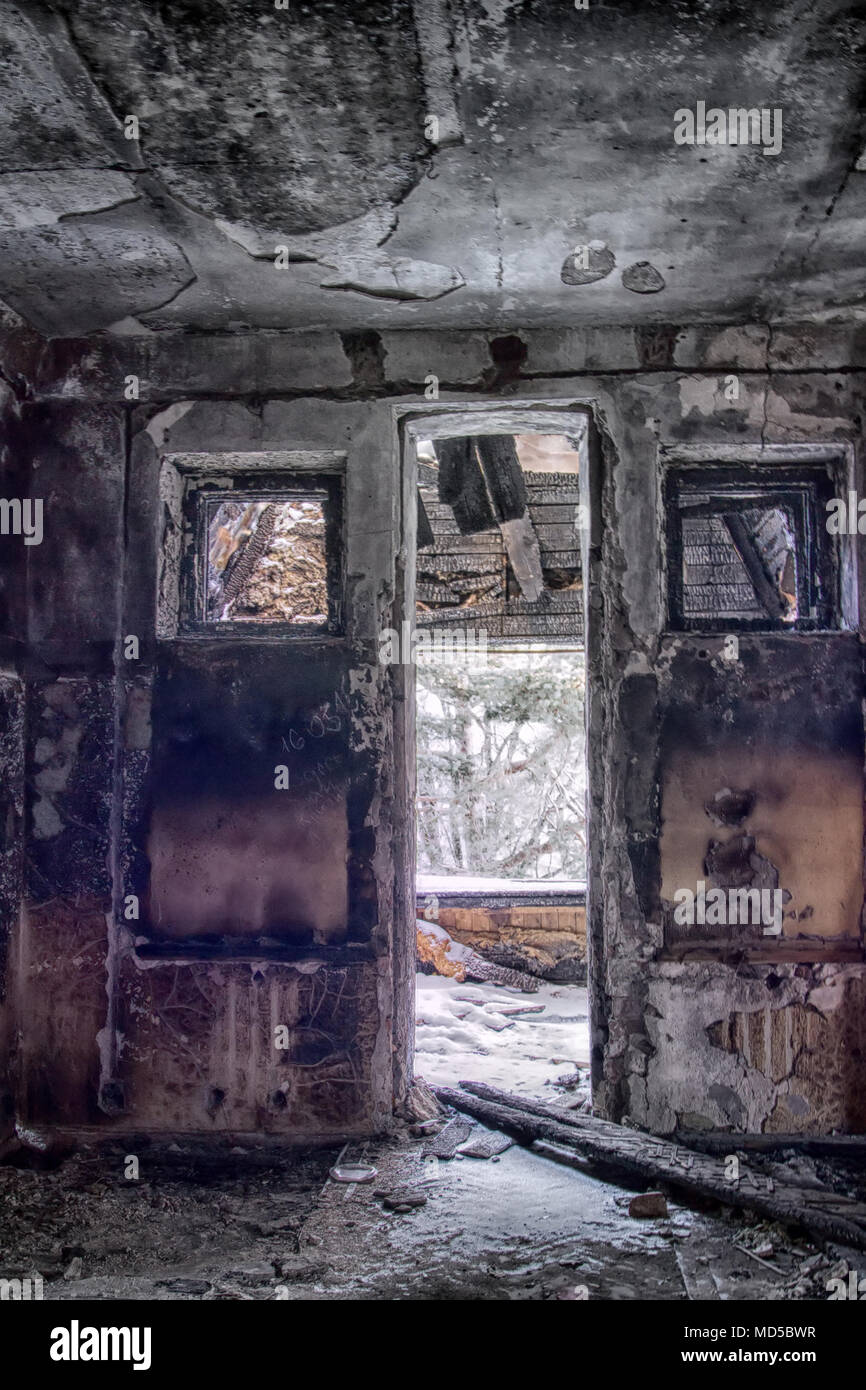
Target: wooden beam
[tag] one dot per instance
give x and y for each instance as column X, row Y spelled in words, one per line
column 461, row 485
column 621, row 1154
column 425, row 530
column 507, row 487
column 769, row 598
column 503, row 475
column 521, row 543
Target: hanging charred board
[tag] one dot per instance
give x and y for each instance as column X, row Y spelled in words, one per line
column 461, row 485
column 503, row 475
column 521, row 543
column 769, row 597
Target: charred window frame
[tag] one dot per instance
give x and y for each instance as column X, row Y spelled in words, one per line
column 203, row 495
column 729, row 494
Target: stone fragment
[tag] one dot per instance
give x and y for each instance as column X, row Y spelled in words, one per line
column 403, row 1201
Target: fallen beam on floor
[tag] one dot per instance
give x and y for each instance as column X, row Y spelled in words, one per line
column 628, row 1155
column 815, row 1145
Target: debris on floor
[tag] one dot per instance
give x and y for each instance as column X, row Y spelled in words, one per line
column 648, row 1205
column 619, row 1152
column 446, row 1143
column 267, row 1224
column 400, row 1200
column 420, row 1105
column 441, row 953
column 485, row 1143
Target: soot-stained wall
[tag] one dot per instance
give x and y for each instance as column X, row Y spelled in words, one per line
column 231, row 852
column 153, row 778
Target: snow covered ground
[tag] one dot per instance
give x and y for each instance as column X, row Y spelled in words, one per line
column 479, row 1032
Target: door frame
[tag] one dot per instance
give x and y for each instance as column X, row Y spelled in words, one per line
column 441, row 420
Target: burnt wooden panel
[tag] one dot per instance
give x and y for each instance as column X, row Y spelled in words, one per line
column 503, row 475
column 461, row 484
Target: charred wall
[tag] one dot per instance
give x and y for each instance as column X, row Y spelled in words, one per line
column 166, row 1020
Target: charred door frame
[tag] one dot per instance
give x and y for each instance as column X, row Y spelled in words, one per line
column 452, row 418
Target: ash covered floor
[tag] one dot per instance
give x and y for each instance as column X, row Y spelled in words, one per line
column 249, row 1224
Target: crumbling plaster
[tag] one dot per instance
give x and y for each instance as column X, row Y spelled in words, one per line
column 309, row 128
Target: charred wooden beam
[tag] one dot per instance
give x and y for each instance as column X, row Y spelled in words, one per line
column 239, row 569
column 844, row 1146
column 425, row 530
column 507, row 487
column 769, row 598
column 503, row 475
column 521, row 543
column 461, row 485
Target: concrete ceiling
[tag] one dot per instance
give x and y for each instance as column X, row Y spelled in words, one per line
column 304, row 128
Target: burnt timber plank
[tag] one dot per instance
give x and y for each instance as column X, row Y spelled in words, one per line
column 425, row 530
column 521, row 543
column 503, row 475
column 771, row 601
column 623, row 1154
column 461, row 485
column 508, row 493
column 816, row 1145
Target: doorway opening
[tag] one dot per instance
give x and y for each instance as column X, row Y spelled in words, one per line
column 500, row 737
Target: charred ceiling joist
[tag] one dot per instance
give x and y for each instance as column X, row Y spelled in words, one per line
column 461, row 485
column 481, row 478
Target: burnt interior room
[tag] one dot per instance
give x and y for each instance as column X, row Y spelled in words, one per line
column 432, row 616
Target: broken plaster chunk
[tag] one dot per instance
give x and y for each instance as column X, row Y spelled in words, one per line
column 444, row 1145
column 587, row 264
column 642, row 278
column 401, row 278
column 39, row 198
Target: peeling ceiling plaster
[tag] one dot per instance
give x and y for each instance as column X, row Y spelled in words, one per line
column 310, row 129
